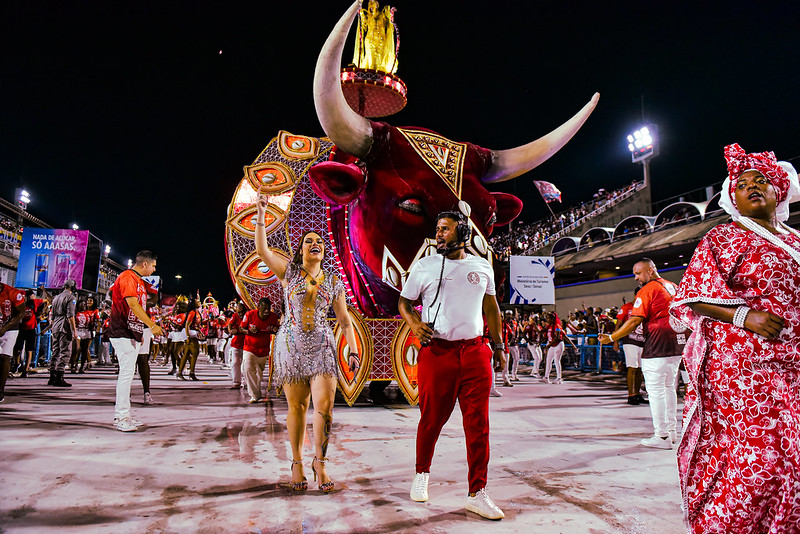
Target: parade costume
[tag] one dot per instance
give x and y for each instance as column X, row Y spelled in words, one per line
column 304, row 344
column 739, row 459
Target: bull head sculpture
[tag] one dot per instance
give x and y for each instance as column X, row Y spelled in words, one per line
column 387, row 184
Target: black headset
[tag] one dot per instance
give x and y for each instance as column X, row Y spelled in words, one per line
column 463, row 230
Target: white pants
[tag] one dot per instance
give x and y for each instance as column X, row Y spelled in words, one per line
column 236, row 365
column 126, row 350
column 536, row 353
column 7, row 341
column 514, row 352
column 554, row 355
column 254, row 373
column 633, row 355
column 660, row 377
column 105, row 353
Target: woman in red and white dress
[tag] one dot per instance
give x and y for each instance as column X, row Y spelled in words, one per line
column 739, row 458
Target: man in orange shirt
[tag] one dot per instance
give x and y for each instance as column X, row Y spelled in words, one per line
column 260, row 325
column 661, row 354
column 126, row 326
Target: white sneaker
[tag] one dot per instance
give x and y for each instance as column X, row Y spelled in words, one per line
column 482, row 505
column 133, row 420
column 544, row 380
column 419, row 488
column 657, row 442
column 559, row 381
column 125, row 425
column 495, row 393
column 148, row 399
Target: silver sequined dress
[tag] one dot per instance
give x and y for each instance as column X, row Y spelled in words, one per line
column 303, row 353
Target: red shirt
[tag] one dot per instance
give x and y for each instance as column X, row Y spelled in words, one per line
column 652, row 303
column 87, row 319
column 259, row 342
column 176, row 322
column 237, row 342
column 124, row 322
column 10, row 299
column 637, row 336
column 29, row 319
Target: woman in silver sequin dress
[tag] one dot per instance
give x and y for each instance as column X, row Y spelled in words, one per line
column 304, row 355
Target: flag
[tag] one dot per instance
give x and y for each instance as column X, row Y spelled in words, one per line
column 549, row 192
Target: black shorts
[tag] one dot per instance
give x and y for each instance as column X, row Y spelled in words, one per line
column 28, row 337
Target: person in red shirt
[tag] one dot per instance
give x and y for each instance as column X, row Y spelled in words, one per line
column 237, row 344
column 260, row 325
column 127, row 324
column 12, row 309
column 632, row 345
column 193, row 330
column 26, row 339
column 661, row 354
column 86, row 320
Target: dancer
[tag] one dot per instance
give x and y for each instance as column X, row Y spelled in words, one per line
column 191, row 347
column 534, row 333
column 177, row 335
column 86, row 319
column 237, row 345
column 259, row 325
column 554, row 334
column 12, row 310
column 454, row 362
column 304, row 355
column 632, row 346
column 739, row 459
column 26, row 339
column 127, row 323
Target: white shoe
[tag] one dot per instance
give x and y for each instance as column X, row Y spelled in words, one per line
column 148, row 399
column 482, row 505
column 657, row 442
column 495, row 393
column 125, row 425
column 559, row 381
column 419, row 488
column 135, row 422
column 536, row 375
column 545, row 380
column 508, row 384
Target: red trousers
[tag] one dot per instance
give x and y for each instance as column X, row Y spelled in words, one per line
column 450, row 371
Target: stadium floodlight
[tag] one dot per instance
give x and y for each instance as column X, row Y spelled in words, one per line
column 23, row 198
column 107, row 250
column 75, row 226
column 643, row 143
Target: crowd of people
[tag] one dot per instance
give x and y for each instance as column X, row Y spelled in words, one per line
column 732, row 321
column 525, row 239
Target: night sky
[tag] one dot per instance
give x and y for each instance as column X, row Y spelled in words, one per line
column 125, row 118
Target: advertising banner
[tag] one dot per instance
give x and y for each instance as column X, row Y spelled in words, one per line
column 532, row 280
column 49, row 257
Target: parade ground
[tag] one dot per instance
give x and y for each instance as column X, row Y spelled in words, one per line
column 564, row 459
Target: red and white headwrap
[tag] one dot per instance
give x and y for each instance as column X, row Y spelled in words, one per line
column 780, row 174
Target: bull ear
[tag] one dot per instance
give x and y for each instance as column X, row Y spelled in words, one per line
column 508, row 208
column 337, row 183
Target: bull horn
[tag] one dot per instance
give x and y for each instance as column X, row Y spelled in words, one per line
column 348, row 130
column 508, row 164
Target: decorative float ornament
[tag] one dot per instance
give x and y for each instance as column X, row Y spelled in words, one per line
column 370, row 85
column 372, row 190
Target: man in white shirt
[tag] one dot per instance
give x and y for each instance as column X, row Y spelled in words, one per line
column 454, row 363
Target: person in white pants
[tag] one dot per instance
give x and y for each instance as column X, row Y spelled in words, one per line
column 126, row 326
column 663, row 346
column 555, row 347
column 236, row 350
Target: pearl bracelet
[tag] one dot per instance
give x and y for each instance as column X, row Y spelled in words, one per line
column 740, row 315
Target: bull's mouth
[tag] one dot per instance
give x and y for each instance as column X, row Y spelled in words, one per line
column 412, row 205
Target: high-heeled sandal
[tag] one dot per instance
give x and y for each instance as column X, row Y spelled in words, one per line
column 299, row 486
column 326, row 487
